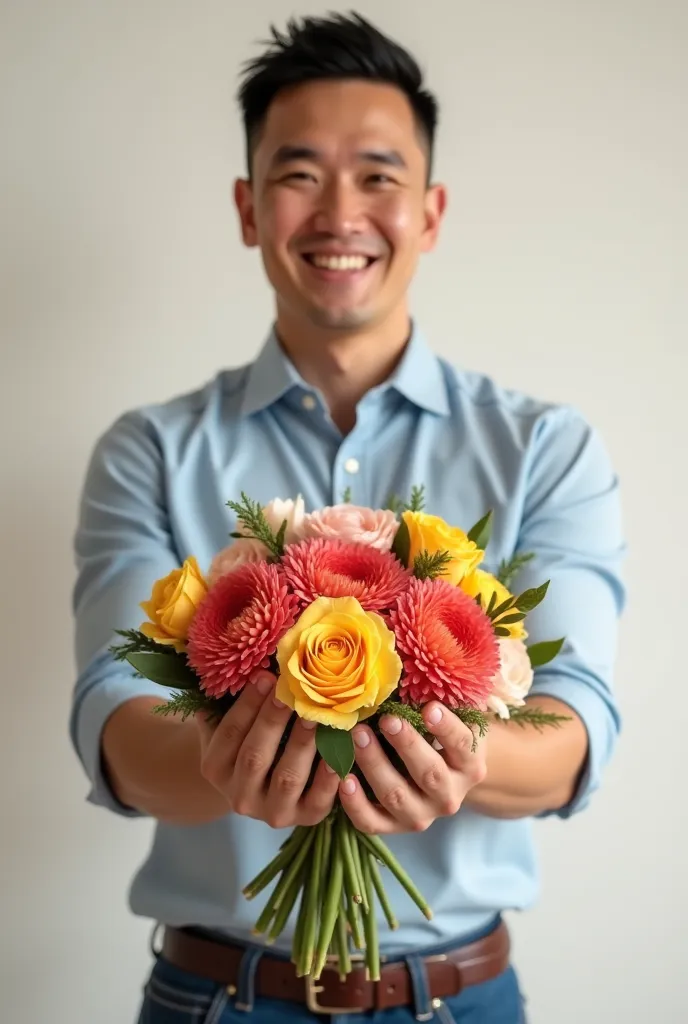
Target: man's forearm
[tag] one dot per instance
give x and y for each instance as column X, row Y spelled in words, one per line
column 529, row 771
column 153, row 762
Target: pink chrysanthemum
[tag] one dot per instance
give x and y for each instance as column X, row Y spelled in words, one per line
column 446, row 643
column 333, row 568
column 238, row 625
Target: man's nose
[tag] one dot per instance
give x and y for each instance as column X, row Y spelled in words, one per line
column 340, row 211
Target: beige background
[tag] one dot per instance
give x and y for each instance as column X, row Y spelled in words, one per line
column 562, row 271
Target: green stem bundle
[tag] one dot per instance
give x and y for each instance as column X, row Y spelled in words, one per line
column 332, row 871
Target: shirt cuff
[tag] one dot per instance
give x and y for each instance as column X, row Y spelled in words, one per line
column 601, row 720
column 95, row 700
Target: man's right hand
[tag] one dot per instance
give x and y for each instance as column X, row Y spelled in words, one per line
column 238, row 758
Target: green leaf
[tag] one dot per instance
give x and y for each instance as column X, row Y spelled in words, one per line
column 502, row 631
column 346, row 497
column 482, row 531
column 542, row 654
column 279, row 539
column 503, row 607
column 402, row 543
column 430, row 567
column 417, row 502
column 509, row 569
column 530, row 599
column 163, row 669
column 515, row 617
column 336, row 746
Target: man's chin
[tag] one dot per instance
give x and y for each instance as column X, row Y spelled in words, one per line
column 339, row 319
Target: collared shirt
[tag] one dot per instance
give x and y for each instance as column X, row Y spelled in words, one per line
column 156, row 492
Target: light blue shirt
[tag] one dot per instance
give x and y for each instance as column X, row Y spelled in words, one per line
column 156, row 492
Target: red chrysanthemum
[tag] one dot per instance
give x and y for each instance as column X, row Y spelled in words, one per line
column 238, row 625
column 333, row 568
column 446, row 643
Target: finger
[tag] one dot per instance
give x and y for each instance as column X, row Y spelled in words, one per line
column 318, row 801
column 426, row 767
column 290, row 775
column 393, row 791
column 223, row 741
column 257, row 755
column 363, row 814
column 457, row 742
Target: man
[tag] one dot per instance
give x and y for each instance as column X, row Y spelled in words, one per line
column 344, row 394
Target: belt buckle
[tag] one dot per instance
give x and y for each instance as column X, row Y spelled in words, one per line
column 313, row 990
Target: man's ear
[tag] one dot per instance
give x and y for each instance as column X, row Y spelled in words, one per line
column 243, row 198
column 435, row 206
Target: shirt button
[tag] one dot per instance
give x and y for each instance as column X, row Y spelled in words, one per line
column 309, row 402
column 352, row 465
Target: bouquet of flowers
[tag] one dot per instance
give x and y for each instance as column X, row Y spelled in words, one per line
column 359, row 613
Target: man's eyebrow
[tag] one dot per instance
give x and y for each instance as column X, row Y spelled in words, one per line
column 289, row 154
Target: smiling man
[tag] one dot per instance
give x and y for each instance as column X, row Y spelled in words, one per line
column 344, row 394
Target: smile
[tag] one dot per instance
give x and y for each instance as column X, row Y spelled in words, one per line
column 327, row 261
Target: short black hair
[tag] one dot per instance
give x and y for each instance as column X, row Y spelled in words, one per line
column 336, row 47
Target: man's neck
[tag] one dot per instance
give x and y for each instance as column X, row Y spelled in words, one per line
column 344, row 366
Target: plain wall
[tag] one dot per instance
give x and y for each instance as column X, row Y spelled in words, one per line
column 562, row 271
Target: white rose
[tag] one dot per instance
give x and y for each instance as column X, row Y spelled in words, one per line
column 294, row 512
column 514, row 679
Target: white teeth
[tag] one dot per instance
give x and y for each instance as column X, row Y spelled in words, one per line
column 340, row 262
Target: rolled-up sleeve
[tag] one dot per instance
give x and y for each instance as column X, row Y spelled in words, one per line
column 573, row 522
column 122, row 545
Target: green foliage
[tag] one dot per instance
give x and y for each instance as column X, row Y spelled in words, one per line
column 346, row 497
column 162, row 669
column 429, row 567
column 250, row 513
column 189, row 702
column 136, row 641
column 482, row 531
column 416, row 504
column 529, row 715
column 509, row 569
column 405, row 711
column 543, row 653
column 402, row 543
column 336, row 747
column 476, row 720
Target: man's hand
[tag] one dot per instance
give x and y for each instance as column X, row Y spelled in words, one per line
column 440, row 779
column 239, row 753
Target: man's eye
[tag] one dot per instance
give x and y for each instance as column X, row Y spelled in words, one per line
column 380, row 179
column 298, row 176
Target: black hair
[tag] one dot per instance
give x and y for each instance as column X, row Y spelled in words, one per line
column 336, row 47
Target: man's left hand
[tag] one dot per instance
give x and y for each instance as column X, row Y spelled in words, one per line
column 438, row 783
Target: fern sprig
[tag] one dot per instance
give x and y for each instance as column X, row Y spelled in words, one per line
column 137, row 643
column 529, row 715
column 510, row 568
column 429, row 567
column 187, row 703
column 251, row 514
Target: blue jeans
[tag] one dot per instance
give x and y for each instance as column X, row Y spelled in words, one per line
column 173, row 996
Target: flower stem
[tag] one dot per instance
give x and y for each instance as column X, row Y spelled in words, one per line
column 330, row 911
column 274, row 867
column 378, row 848
column 354, row 881
column 342, row 943
column 351, row 905
column 285, row 907
column 292, row 871
column 311, row 920
column 372, row 953
column 355, row 849
column 381, row 891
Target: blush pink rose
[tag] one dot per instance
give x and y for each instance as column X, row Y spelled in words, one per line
column 353, row 524
column 514, row 679
column 239, row 553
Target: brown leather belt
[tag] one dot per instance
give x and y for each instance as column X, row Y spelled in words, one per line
column 447, row 974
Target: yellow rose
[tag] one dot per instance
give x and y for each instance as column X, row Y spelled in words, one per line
column 173, row 604
column 432, row 534
column 480, row 582
column 337, row 664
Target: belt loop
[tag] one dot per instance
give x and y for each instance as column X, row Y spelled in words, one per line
column 422, row 1004
column 443, row 1013
column 246, row 982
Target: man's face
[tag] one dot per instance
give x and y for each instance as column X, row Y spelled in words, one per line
column 339, row 202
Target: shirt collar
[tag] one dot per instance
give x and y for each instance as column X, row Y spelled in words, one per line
column 418, row 377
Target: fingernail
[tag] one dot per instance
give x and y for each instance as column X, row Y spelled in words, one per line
column 435, row 716
column 349, row 786
column 361, row 739
column 391, row 725
column 264, row 684
column 278, row 703
column 308, row 725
